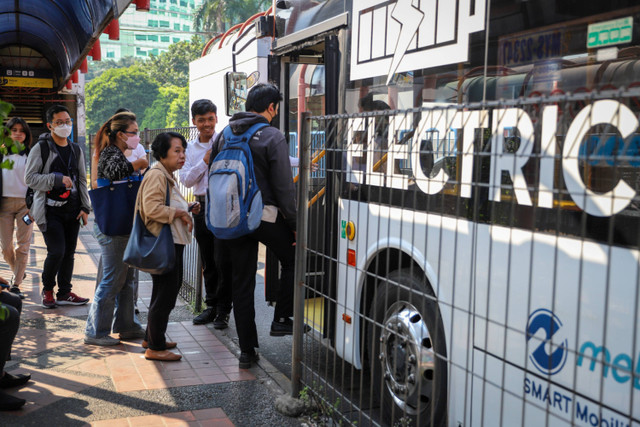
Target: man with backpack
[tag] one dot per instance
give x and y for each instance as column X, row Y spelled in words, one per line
column 55, row 171
column 276, row 225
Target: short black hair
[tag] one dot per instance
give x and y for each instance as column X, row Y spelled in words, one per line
column 162, row 143
column 55, row 109
column 27, row 132
column 261, row 96
column 123, row 110
column 202, row 107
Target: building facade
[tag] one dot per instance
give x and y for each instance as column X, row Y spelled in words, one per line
column 146, row 34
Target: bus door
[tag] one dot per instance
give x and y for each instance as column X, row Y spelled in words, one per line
column 305, row 75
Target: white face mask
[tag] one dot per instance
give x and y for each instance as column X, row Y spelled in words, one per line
column 63, row 131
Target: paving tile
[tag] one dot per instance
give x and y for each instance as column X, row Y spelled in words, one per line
column 47, row 386
column 208, row 414
column 214, row 379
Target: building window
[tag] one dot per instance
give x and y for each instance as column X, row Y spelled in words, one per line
column 140, row 52
column 176, row 27
column 164, row 24
column 164, row 39
column 111, row 54
column 176, row 39
column 153, row 23
column 185, row 28
column 141, row 37
column 152, row 38
column 154, row 52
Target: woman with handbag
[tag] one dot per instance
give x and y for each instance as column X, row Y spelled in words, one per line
column 13, row 208
column 160, row 205
column 115, row 289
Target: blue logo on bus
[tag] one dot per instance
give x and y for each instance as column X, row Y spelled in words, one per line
column 545, row 362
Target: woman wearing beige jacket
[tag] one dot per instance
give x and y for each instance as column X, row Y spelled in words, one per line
column 169, row 149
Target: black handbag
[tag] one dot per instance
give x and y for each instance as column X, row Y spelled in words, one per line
column 146, row 252
column 114, row 206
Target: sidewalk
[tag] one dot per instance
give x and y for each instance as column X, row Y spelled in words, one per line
column 74, row 384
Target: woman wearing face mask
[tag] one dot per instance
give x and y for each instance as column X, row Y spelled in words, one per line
column 13, row 207
column 116, row 287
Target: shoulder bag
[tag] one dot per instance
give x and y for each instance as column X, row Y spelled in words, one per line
column 146, row 252
column 114, row 206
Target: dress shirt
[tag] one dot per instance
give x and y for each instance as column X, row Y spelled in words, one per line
column 194, row 172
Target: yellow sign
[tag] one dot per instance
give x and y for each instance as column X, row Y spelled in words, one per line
column 26, row 82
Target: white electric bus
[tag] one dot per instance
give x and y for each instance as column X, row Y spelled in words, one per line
column 474, row 226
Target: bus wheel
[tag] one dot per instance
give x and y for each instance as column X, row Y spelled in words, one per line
column 407, row 345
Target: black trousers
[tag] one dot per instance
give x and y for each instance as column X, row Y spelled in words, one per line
column 8, row 326
column 244, row 259
column 216, row 272
column 61, row 239
column 163, row 299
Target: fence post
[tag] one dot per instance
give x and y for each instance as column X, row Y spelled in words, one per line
column 301, row 254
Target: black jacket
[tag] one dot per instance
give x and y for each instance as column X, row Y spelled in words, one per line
column 271, row 163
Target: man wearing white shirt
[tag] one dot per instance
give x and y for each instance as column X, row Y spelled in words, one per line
column 194, row 173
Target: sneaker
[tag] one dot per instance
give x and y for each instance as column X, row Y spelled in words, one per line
column 221, row 321
column 72, row 299
column 280, row 329
column 205, row 317
column 132, row 335
column 48, row 301
column 102, row 341
column 247, row 358
column 16, row 290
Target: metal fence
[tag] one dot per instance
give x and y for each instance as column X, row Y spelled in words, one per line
column 473, row 264
column 191, row 289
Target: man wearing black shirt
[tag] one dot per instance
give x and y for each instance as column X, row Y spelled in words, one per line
column 60, row 204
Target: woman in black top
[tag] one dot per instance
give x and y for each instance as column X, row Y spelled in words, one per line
column 116, row 287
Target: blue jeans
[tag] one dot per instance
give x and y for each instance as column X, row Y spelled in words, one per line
column 115, row 291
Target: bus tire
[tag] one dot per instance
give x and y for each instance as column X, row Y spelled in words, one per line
column 404, row 336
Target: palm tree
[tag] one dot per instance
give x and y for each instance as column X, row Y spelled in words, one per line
column 215, row 16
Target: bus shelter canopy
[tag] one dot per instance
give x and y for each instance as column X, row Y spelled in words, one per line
column 61, row 32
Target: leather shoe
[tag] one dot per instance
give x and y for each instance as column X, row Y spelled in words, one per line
column 205, row 317
column 247, row 358
column 10, row 403
column 280, row 329
column 162, row 355
column 8, row 380
column 167, row 344
column 221, row 321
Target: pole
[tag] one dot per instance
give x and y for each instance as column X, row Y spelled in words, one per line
column 301, row 254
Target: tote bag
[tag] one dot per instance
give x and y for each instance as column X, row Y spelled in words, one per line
column 114, row 206
column 146, row 252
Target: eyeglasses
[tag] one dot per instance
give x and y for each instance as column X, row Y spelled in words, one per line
column 130, row 132
column 63, row 122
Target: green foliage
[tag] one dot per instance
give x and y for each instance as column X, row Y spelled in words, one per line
column 155, row 117
column 178, row 114
column 130, row 87
column 96, row 68
column 171, row 68
column 7, row 145
column 218, row 15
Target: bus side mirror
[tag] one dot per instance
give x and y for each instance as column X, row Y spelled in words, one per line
column 235, row 92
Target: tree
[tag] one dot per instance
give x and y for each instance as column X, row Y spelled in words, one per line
column 130, row 87
column 155, row 117
column 96, row 68
column 218, row 15
column 178, row 114
column 171, row 68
